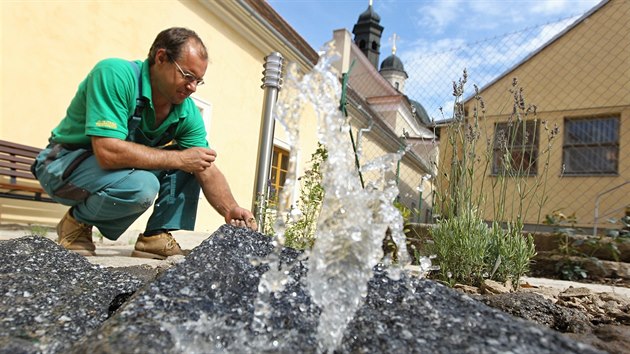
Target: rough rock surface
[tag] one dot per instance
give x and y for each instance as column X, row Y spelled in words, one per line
column 611, row 338
column 609, row 316
column 600, row 319
column 536, row 308
column 206, row 304
column 50, row 298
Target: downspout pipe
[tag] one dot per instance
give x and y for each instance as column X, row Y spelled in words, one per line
column 272, row 82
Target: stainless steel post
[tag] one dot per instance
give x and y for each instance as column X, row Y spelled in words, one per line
column 272, row 82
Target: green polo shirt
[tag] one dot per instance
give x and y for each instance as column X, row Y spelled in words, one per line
column 107, row 98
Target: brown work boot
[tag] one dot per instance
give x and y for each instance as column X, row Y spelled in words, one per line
column 157, row 246
column 75, row 236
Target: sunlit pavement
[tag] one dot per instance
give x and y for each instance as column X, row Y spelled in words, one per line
column 118, row 254
column 563, row 284
column 110, row 253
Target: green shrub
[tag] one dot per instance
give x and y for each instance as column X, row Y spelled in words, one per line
column 468, row 251
column 460, row 245
column 510, row 252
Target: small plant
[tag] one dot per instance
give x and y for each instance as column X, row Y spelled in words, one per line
column 300, row 233
column 468, row 251
column 625, row 227
column 38, row 230
column 618, row 236
column 575, row 250
column 568, row 266
column 390, row 248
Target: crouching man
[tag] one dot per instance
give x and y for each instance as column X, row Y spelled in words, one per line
column 132, row 136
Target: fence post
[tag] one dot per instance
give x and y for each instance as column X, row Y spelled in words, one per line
column 272, row 82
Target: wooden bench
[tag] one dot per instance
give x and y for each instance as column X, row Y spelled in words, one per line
column 16, row 179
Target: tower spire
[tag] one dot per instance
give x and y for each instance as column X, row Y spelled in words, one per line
column 367, row 34
column 394, row 43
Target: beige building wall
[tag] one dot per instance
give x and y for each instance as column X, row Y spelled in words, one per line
column 583, row 73
column 49, row 47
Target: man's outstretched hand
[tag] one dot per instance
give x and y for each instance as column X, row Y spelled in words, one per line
column 241, row 217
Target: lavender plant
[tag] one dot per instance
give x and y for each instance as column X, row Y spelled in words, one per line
column 468, row 249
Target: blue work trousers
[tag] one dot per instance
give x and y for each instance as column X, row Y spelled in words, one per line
column 112, row 200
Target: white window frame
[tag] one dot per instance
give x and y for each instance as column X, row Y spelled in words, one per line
column 205, row 108
column 285, row 146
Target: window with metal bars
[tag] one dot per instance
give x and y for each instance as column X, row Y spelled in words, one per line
column 279, row 168
column 591, row 146
column 515, row 149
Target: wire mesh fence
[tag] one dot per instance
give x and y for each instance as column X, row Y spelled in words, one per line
column 568, row 80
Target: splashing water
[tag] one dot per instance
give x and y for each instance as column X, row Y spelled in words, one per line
column 353, row 220
column 351, row 227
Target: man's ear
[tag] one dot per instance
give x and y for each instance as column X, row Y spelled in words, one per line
column 161, row 57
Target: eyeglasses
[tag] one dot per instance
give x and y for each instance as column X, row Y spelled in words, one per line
column 190, row 78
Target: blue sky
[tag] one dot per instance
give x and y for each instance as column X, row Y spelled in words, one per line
column 438, row 38
column 450, row 21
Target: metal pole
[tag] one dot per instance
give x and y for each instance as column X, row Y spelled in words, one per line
column 597, row 200
column 272, row 82
column 419, row 207
column 421, row 190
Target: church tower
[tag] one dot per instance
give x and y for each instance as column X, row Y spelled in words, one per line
column 367, row 34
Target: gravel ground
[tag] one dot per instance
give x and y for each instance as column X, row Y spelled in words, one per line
column 206, row 304
column 51, row 298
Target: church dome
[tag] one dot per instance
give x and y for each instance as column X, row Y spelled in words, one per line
column 392, row 62
column 369, row 15
column 421, row 113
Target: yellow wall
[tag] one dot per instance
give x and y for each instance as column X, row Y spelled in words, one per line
column 587, row 67
column 49, row 47
column 584, row 73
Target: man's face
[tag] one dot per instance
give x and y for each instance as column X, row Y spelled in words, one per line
column 178, row 79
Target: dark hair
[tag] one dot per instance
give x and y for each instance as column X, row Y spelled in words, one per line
column 173, row 39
